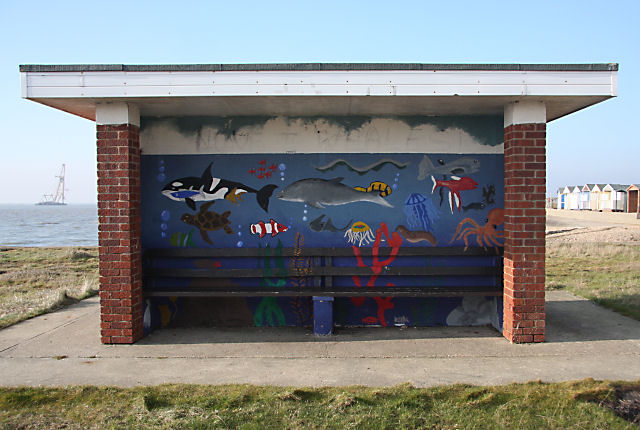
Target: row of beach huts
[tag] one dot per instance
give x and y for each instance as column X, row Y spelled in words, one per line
column 599, row 197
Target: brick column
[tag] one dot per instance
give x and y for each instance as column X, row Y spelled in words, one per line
column 524, row 222
column 119, row 228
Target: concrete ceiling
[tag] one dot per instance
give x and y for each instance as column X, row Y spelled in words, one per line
column 557, row 106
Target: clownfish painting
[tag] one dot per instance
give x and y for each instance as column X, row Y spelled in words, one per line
column 272, row 228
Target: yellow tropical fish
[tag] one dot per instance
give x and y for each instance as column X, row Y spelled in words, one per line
column 384, row 189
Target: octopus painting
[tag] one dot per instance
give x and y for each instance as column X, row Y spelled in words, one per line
column 486, row 235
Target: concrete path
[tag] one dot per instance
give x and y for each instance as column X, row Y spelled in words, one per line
column 584, row 340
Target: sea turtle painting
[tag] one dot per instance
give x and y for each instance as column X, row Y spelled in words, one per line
column 206, row 220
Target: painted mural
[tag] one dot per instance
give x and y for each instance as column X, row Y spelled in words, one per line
column 272, row 200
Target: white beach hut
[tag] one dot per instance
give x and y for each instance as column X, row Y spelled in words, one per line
column 564, row 197
column 616, row 197
column 574, row 198
column 585, row 197
column 595, row 196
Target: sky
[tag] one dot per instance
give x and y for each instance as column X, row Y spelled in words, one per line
column 598, row 144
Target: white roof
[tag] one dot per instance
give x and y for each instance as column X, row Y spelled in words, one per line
column 320, row 89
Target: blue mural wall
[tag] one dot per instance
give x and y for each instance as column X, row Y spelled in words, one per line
column 274, row 200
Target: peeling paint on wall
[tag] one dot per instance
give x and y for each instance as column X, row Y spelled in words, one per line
column 487, row 129
column 237, row 135
column 348, row 124
column 227, row 127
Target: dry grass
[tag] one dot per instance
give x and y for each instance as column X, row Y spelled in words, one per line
column 606, row 273
column 535, row 405
column 34, row 281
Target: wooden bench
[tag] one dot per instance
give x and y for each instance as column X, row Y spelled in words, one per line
column 321, row 272
column 159, row 280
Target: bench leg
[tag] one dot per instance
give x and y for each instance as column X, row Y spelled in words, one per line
column 322, row 316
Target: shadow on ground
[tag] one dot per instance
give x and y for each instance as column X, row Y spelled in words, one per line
column 573, row 320
column 584, row 321
column 213, row 335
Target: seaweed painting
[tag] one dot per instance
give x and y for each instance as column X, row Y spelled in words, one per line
column 394, row 240
column 268, row 309
column 300, row 268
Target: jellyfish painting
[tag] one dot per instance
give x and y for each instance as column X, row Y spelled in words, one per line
column 420, row 212
column 359, row 232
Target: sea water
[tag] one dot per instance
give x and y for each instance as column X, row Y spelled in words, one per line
column 32, row 225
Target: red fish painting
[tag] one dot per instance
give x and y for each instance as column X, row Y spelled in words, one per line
column 264, row 169
column 455, row 185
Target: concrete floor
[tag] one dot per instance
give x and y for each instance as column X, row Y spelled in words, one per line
column 584, row 340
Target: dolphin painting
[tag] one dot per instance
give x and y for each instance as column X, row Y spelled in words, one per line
column 460, row 167
column 319, row 193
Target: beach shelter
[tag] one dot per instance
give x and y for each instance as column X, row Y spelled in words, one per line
column 365, row 162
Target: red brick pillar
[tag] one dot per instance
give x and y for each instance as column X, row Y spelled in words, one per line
column 524, row 223
column 119, row 232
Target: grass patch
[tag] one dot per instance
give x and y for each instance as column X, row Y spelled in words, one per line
column 572, row 405
column 34, row 281
column 608, row 274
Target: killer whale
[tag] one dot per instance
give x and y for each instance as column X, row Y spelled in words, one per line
column 206, row 188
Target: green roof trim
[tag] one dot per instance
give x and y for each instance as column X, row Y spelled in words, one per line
column 619, row 187
column 597, row 67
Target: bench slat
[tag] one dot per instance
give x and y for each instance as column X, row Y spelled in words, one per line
column 219, row 282
column 414, row 251
column 322, row 271
column 485, row 290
